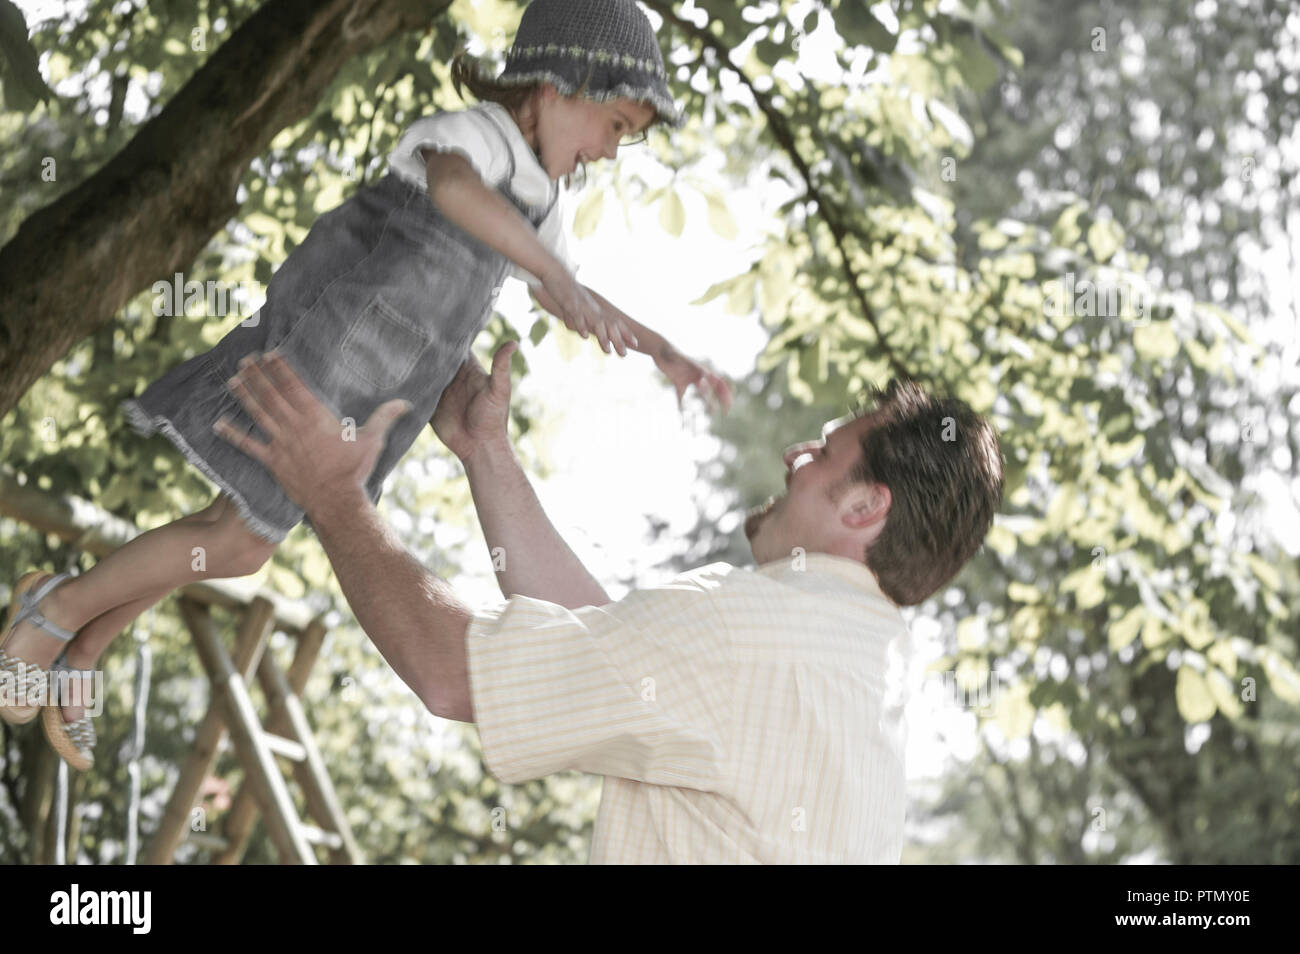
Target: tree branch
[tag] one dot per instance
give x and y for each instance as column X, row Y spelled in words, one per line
column 151, row 209
column 785, row 139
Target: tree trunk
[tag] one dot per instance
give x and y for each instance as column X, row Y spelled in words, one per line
column 153, row 207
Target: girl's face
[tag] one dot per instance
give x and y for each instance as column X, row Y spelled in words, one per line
column 572, row 130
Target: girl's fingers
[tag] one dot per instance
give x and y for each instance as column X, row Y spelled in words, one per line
column 629, row 337
column 602, row 336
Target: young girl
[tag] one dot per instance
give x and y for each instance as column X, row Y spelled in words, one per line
column 382, row 300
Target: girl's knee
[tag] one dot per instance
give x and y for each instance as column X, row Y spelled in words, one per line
column 243, row 551
column 251, row 556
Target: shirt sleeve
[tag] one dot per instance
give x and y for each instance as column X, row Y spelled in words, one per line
column 467, row 132
column 551, row 234
column 639, row 689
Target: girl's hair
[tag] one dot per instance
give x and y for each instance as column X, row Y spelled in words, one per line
column 514, row 97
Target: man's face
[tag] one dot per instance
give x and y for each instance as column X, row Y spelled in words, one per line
column 816, row 513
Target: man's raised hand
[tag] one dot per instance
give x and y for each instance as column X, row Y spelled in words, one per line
column 311, row 453
column 475, row 407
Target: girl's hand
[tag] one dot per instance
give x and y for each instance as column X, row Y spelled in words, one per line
column 683, row 372
column 581, row 312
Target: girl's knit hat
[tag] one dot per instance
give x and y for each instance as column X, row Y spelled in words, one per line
column 605, row 48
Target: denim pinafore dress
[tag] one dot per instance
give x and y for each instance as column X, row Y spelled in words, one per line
column 381, row 301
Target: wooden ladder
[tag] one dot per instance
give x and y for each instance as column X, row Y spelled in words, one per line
column 231, row 715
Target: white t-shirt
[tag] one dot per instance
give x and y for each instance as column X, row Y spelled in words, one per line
column 476, row 133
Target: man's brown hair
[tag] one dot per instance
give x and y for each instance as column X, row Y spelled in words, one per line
column 943, row 466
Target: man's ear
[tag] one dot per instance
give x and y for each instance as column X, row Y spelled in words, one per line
column 863, row 505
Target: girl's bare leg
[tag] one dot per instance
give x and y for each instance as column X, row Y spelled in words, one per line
column 212, row 543
column 93, row 638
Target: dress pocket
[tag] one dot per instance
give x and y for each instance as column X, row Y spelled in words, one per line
column 382, row 347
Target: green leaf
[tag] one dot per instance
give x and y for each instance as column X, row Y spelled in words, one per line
column 1156, row 341
column 1104, row 239
column 716, row 289
column 858, row 25
column 1224, row 693
column 672, row 214
column 720, row 217
column 1066, row 230
column 538, row 330
column 1193, row 696
column 1124, row 630
column 1014, row 713
column 977, row 67
column 1281, row 675
column 1023, row 593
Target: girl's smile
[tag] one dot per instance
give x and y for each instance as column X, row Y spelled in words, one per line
column 570, row 131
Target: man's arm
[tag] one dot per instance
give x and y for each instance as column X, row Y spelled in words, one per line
column 412, row 616
column 530, row 556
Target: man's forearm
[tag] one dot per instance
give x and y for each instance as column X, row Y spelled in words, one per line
column 530, row 556
column 411, row 615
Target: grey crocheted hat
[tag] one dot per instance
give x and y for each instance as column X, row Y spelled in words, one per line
column 606, row 48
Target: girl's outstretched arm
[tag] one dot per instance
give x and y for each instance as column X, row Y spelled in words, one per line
column 458, row 190
column 681, row 370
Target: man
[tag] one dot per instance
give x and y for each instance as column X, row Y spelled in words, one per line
column 736, row 715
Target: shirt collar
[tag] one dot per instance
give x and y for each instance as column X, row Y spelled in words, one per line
column 851, row 571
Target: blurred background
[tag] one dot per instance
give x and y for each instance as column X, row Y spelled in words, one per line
column 1080, row 219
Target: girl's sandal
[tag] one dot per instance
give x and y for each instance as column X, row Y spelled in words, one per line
column 23, row 680
column 73, row 741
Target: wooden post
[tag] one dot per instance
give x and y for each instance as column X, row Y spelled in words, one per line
column 175, row 823
column 246, row 732
column 230, row 713
column 40, row 762
column 286, row 717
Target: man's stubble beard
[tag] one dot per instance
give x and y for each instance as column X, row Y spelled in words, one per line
column 758, row 515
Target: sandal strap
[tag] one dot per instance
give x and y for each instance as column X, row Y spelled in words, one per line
column 61, row 665
column 81, row 732
column 29, row 674
column 29, row 602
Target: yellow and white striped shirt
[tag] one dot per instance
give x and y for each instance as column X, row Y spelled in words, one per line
column 737, row 715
